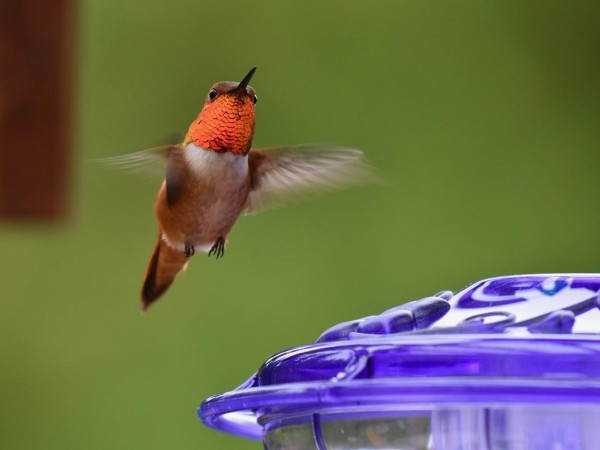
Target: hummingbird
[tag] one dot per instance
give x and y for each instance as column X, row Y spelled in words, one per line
column 214, row 176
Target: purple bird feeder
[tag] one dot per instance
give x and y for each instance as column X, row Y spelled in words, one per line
column 509, row 363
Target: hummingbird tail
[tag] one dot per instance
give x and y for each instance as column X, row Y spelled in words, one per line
column 163, row 267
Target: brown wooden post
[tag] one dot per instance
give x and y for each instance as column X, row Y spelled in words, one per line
column 35, row 97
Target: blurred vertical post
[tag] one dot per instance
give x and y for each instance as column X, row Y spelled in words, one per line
column 35, row 97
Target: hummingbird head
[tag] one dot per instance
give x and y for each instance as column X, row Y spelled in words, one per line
column 226, row 122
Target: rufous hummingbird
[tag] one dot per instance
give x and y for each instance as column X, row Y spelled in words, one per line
column 214, row 176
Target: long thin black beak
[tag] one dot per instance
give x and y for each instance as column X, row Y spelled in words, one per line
column 244, row 83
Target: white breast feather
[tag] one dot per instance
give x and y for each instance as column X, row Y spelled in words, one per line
column 205, row 163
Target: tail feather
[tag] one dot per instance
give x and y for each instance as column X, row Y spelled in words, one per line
column 163, row 267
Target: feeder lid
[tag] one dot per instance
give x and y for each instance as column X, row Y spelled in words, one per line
column 527, row 338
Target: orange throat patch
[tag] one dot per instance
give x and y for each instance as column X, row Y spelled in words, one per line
column 225, row 125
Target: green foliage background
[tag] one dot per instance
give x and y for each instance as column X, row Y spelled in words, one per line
column 483, row 116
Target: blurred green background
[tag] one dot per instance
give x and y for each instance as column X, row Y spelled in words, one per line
column 483, row 116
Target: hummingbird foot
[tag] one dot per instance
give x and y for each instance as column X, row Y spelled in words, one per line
column 218, row 249
column 189, row 249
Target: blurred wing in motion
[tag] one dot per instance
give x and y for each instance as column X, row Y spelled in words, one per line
column 150, row 161
column 288, row 173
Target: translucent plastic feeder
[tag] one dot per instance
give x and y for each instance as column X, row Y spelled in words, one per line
column 509, row 363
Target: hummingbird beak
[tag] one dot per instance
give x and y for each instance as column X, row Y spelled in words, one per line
column 241, row 88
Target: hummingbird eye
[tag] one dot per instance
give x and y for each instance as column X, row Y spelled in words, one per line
column 255, row 99
column 212, row 94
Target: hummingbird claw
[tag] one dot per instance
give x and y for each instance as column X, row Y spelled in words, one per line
column 218, row 249
column 189, row 249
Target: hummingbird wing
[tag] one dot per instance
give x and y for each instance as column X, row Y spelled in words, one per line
column 287, row 173
column 149, row 161
column 167, row 161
